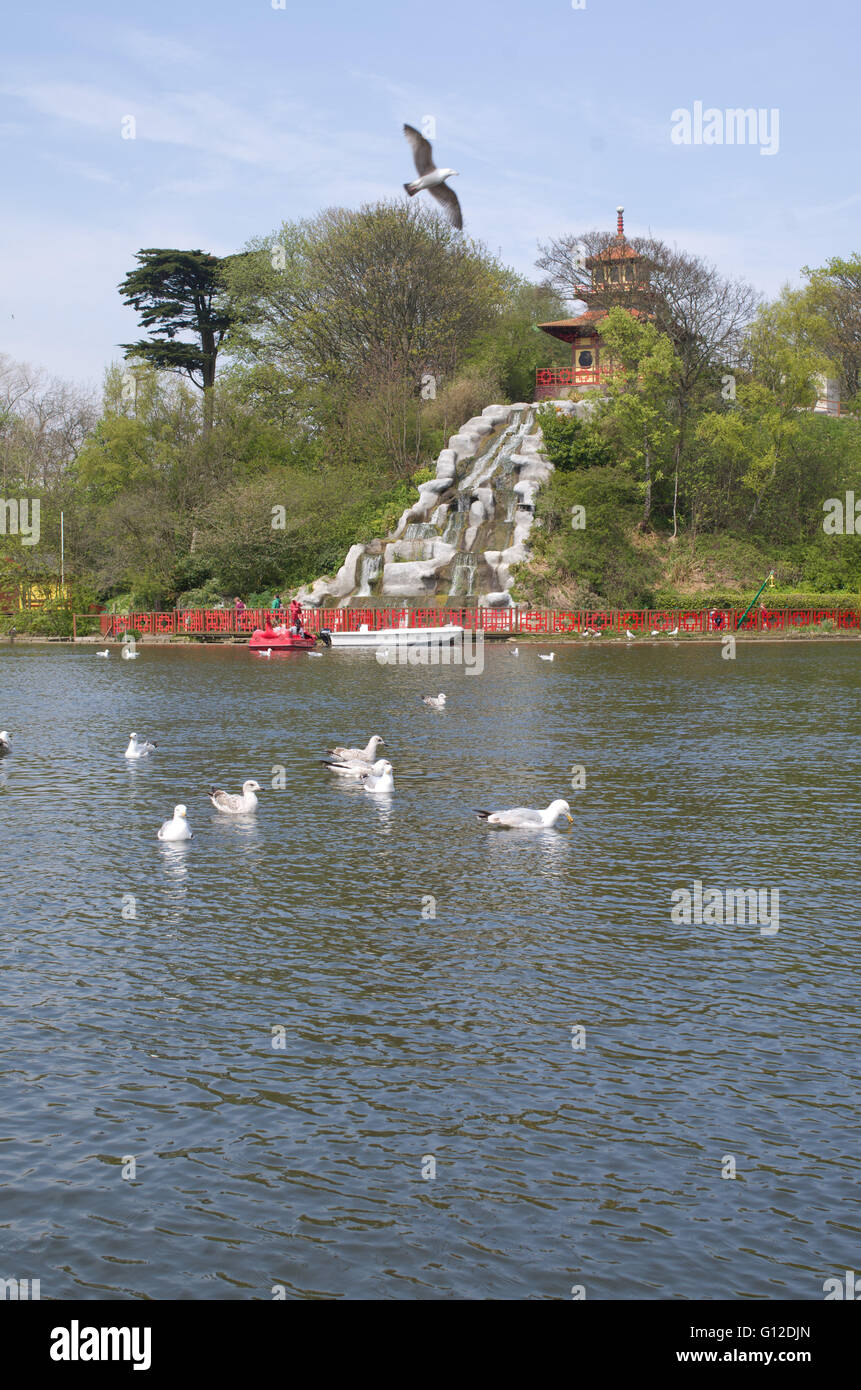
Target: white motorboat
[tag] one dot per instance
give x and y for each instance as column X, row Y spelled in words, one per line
column 373, row 638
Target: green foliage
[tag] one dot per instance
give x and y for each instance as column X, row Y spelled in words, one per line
column 598, row 565
column 175, row 292
column 571, row 444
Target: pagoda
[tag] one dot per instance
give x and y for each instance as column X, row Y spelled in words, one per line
column 615, row 272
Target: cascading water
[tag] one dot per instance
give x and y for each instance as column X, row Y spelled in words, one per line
column 371, row 566
column 468, row 527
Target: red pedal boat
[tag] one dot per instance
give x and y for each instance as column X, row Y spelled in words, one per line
column 279, row 639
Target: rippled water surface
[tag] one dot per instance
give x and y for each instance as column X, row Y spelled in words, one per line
column 408, row 1037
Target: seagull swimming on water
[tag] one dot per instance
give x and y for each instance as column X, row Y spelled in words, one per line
column 431, row 178
column 382, row 784
column 546, row 658
column 178, row 827
column 356, row 768
column 104, row 653
column 236, row 805
column 435, row 701
column 367, row 754
column 139, row 747
column 524, row 818
column 5, row 745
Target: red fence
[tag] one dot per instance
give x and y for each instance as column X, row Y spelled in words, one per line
column 225, row 622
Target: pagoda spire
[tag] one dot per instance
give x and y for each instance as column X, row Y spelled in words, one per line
column 620, row 223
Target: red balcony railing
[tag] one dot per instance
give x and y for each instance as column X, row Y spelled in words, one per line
column 225, row 622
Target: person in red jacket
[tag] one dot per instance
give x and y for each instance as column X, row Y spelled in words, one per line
column 295, row 618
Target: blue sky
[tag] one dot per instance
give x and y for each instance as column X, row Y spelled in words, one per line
column 247, row 115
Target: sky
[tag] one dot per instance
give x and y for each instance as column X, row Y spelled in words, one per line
column 247, row 115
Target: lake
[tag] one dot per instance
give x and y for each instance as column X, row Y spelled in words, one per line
column 375, row 1049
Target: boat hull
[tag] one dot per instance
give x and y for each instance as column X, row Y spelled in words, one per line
column 399, row 636
column 262, row 641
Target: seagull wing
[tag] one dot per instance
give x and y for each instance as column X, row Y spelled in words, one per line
column 227, row 801
column 448, row 198
column 421, row 148
column 517, row 816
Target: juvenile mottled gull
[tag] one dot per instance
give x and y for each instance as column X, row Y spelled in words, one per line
column 523, row 818
column 233, row 805
column 435, row 701
column 366, row 755
column 431, row 178
column 5, row 744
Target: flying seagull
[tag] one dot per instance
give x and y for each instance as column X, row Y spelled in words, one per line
column 431, row 178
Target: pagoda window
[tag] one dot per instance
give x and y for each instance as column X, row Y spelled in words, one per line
column 614, row 273
column 584, row 358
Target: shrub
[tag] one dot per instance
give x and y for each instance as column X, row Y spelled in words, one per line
column 570, row 444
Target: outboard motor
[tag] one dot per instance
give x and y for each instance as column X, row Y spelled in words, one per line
column 325, row 637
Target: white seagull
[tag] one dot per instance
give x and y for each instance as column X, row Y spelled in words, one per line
column 629, row 634
column 356, row 768
column 546, row 658
column 178, row 828
column 435, row 701
column 431, row 178
column 382, row 783
column 656, row 632
column 524, row 818
column 5, row 744
column 104, row 653
column 268, row 652
column 139, row 748
column 514, row 651
column 128, row 655
column 367, row 754
column 236, row 805
column 673, row 633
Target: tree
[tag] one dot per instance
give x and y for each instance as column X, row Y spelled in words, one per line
column 703, row 314
column 177, row 292
column 834, row 292
column 365, row 313
column 638, row 414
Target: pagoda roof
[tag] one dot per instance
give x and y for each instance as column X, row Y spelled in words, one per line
column 621, row 250
column 565, row 328
column 562, row 328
